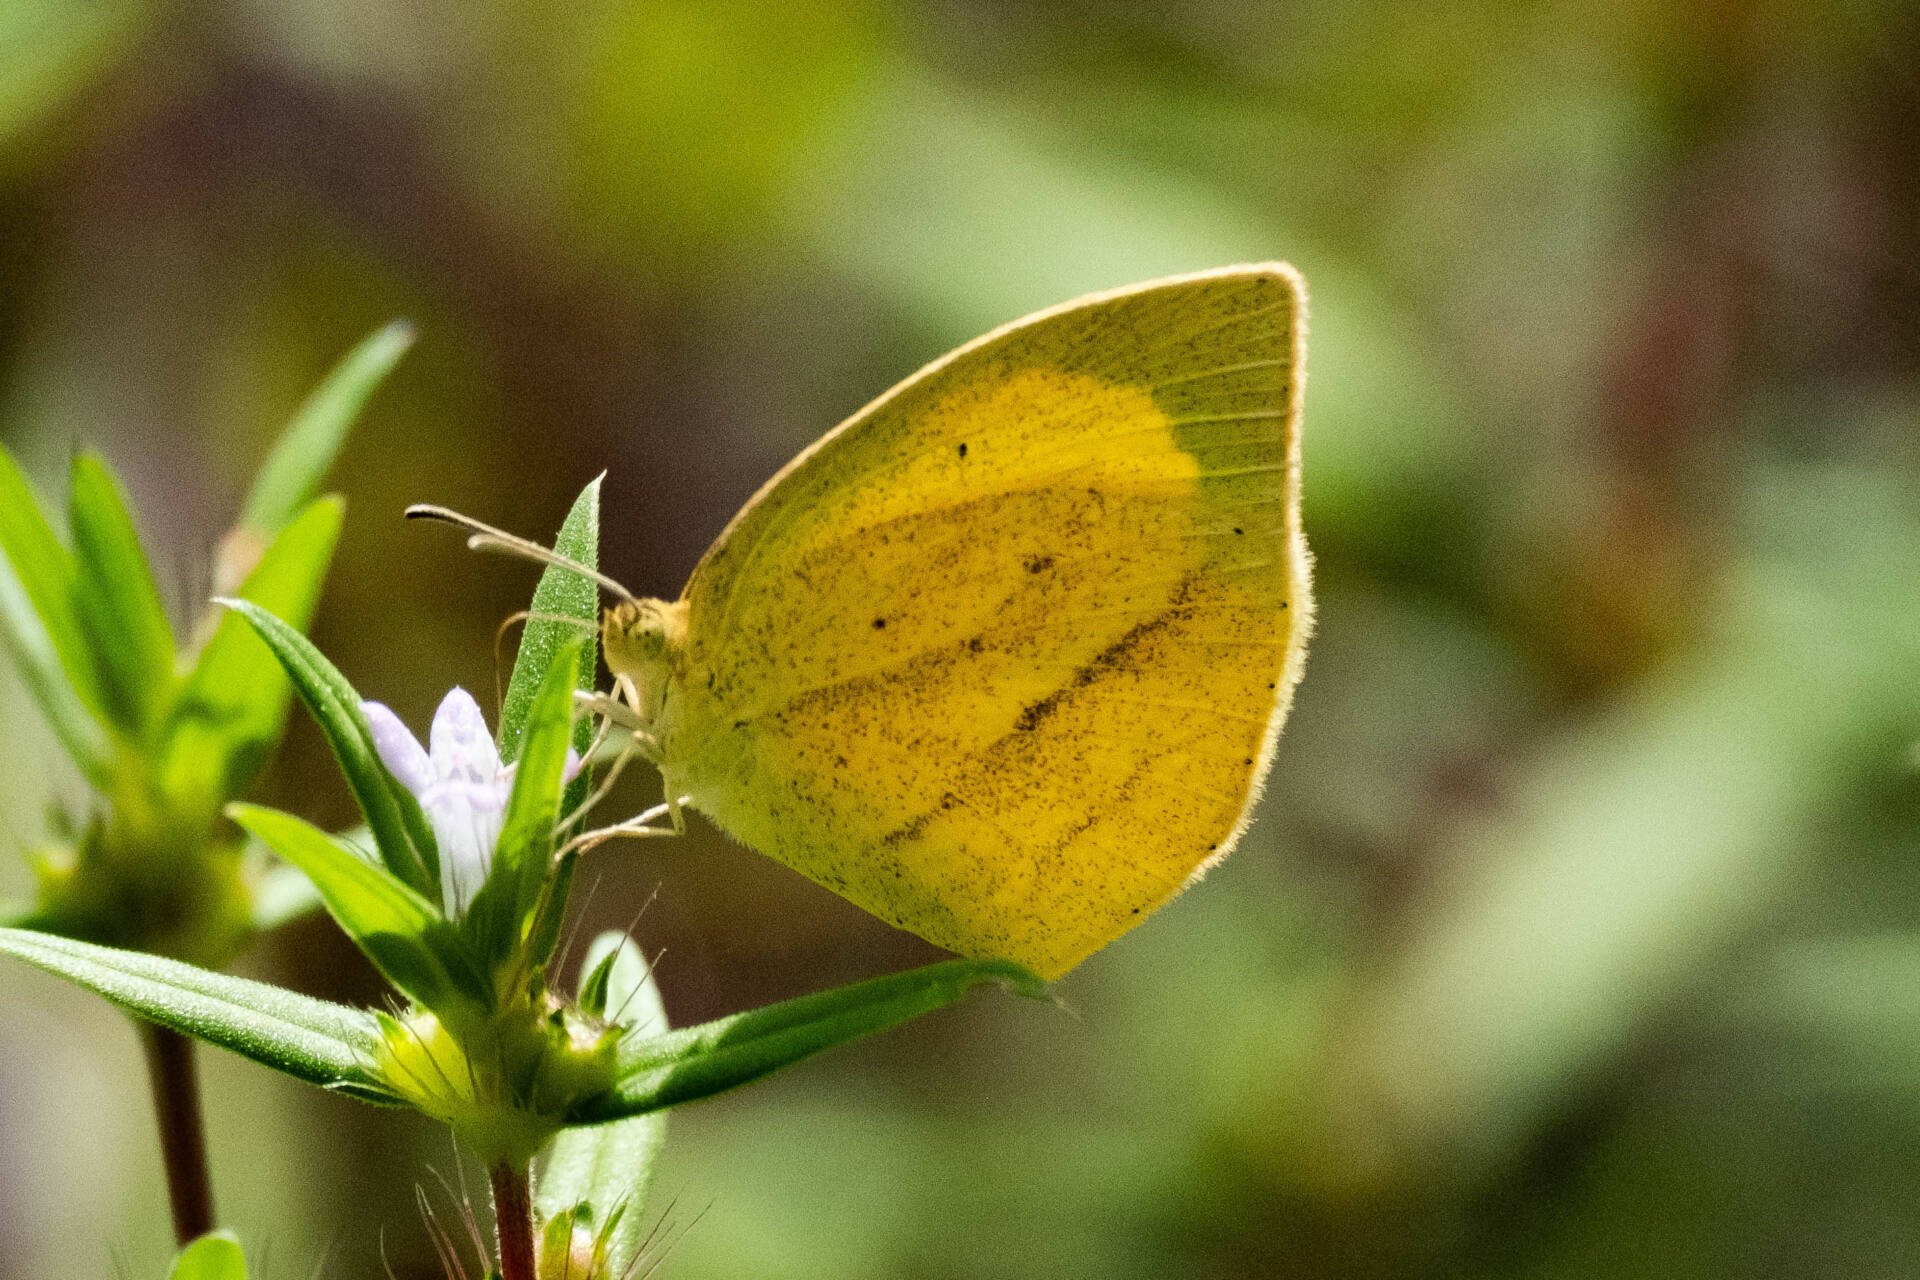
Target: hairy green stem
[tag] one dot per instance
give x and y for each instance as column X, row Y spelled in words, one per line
column 183, row 1137
column 513, row 1214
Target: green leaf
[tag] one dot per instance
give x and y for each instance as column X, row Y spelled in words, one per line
column 215, row 1256
column 233, row 707
column 401, row 932
column 561, row 594
column 37, row 657
column 313, row 1040
column 698, row 1062
column 400, row 829
column 611, row 1166
column 293, row 472
column 523, row 855
column 116, row 600
column 42, row 631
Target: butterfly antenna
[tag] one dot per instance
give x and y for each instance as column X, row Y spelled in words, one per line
column 484, row 537
column 499, row 639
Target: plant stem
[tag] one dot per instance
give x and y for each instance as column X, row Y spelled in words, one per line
column 183, row 1135
column 513, row 1212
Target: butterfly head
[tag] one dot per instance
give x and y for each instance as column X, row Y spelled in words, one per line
column 643, row 641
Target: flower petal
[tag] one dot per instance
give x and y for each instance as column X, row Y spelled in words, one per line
column 398, row 749
column 461, row 745
column 467, row 818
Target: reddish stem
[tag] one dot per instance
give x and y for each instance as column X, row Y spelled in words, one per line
column 513, row 1212
column 183, row 1135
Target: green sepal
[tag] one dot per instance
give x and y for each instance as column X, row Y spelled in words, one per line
column 569, row 1246
column 214, row 1256
column 116, row 601
column 698, row 1062
column 298, row 465
column 322, row 1043
column 610, row 1167
column 232, row 708
column 498, row 918
column 403, row 933
column 594, row 988
column 400, row 830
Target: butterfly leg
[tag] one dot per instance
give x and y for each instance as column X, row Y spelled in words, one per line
column 617, row 710
column 628, row 750
column 614, row 710
column 639, row 826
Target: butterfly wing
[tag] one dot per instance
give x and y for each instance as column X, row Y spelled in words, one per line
column 1001, row 659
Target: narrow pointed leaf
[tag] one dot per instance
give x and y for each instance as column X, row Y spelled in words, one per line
column 45, row 570
column 399, row 828
column 313, row 1040
column 684, row 1066
column 116, row 600
column 561, row 594
column 401, row 932
column 215, row 1256
column 520, row 864
column 233, row 707
column 611, row 1166
column 40, row 625
column 37, row 657
column 294, row 471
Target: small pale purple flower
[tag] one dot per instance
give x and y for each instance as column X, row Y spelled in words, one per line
column 460, row 784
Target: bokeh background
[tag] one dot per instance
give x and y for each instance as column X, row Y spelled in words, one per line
column 1579, row 935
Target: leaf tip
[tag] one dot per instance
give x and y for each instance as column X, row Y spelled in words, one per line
column 398, row 335
column 242, row 812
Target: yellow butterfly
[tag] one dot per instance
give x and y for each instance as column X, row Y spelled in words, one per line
column 1002, row 658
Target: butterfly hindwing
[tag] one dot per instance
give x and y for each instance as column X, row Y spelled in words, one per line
column 1000, row 659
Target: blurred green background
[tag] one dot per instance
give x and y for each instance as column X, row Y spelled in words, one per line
column 1580, row 931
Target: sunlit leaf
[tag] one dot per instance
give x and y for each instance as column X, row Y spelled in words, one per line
column 40, row 627
column 312, row 1040
column 521, row 858
column 697, row 1062
column 561, row 594
column 298, row 465
column 116, row 601
column 233, row 707
column 38, row 660
column 400, row 829
column 400, row 931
